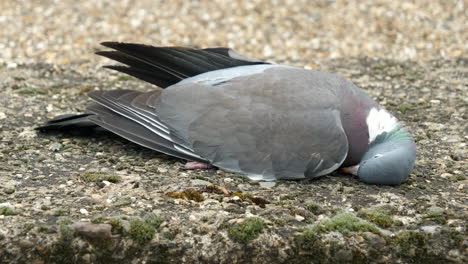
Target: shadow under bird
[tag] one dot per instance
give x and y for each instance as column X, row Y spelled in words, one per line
column 266, row 121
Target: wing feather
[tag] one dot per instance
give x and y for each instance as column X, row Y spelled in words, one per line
column 119, row 102
column 136, row 133
column 165, row 66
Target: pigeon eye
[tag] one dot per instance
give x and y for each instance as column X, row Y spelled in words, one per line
column 378, row 156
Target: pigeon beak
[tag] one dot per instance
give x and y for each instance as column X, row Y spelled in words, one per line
column 351, row 170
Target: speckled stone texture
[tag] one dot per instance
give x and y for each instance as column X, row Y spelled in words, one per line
column 67, row 198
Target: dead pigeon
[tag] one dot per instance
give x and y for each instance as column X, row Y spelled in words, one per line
column 267, row 121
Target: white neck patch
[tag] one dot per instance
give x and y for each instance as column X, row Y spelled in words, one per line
column 379, row 121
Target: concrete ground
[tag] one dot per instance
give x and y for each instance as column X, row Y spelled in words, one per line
column 97, row 198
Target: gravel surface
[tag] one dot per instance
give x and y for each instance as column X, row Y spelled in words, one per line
column 98, row 199
column 62, row 32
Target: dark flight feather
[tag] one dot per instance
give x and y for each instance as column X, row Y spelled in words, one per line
column 164, row 66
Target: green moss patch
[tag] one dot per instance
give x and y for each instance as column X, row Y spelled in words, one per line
column 170, row 234
column 60, row 212
column 62, row 250
column 344, row 223
column 4, row 210
column 153, row 220
column 404, row 108
column 436, row 215
column 311, row 245
column 247, row 230
column 410, row 243
column 122, row 202
column 379, row 216
column 142, row 231
column 9, row 191
column 66, row 232
column 313, row 208
column 124, row 78
column 31, row 91
column 94, row 176
column 117, row 226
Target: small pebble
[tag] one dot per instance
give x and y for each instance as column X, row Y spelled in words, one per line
column 198, row 182
column 267, row 184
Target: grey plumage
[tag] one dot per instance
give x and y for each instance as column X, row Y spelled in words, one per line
column 247, row 116
column 252, row 124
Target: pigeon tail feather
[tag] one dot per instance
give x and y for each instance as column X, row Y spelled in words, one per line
column 68, row 122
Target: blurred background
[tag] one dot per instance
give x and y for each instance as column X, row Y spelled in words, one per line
column 64, row 32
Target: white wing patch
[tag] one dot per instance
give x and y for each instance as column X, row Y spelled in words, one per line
column 213, row 78
column 379, row 121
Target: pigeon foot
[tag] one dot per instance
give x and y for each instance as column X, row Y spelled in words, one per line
column 193, row 165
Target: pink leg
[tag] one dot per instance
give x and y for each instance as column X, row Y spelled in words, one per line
column 351, row 170
column 193, row 165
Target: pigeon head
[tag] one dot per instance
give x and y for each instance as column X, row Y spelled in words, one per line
column 391, row 154
column 389, row 160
